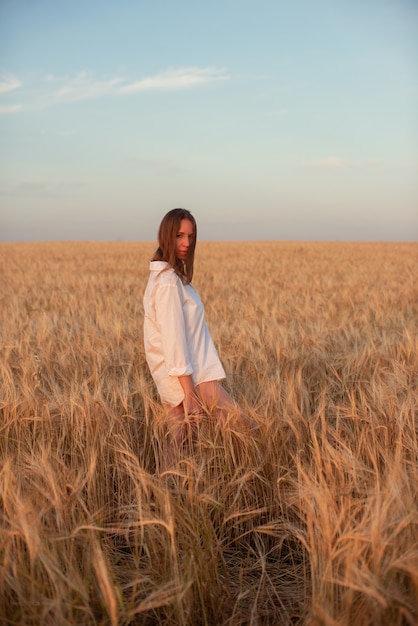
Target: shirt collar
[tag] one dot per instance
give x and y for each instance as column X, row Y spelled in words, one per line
column 158, row 266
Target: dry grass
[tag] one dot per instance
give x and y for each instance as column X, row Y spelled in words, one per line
column 314, row 521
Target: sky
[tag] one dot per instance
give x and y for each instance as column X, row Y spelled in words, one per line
column 278, row 120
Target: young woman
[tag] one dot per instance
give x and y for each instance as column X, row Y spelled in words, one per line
column 180, row 353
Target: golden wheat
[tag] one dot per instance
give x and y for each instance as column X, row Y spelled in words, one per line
column 312, row 521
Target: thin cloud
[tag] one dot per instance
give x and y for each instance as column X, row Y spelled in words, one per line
column 83, row 87
column 177, row 79
column 12, row 108
column 338, row 163
column 372, row 162
column 35, row 184
column 50, row 187
column 9, row 83
column 154, row 166
column 329, row 163
column 278, row 113
column 56, row 133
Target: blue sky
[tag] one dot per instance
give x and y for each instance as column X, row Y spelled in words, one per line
column 290, row 119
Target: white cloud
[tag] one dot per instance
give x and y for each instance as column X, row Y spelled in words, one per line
column 9, row 83
column 12, row 108
column 82, row 86
column 329, row 163
column 177, row 79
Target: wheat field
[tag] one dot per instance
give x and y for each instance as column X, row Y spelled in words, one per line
column 312, row 519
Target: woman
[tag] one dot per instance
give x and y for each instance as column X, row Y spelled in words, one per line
column 179, row 350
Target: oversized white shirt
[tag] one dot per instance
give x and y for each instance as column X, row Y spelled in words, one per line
column 176, row 337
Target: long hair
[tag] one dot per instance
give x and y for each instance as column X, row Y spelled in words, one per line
column 166, row 251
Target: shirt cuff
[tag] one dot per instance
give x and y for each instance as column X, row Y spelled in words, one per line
column 181, row 371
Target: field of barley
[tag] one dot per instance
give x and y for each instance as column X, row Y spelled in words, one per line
column 310, row 520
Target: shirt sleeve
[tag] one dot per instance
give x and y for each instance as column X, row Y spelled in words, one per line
column 172, row 326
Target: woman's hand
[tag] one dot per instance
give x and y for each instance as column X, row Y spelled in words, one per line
column 191, row 403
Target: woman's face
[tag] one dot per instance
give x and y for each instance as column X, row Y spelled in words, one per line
column 184, row 239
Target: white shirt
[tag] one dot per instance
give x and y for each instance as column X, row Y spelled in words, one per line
column 176, row 338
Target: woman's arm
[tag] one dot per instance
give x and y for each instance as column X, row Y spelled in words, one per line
column 191, row 402
column 172, row 327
